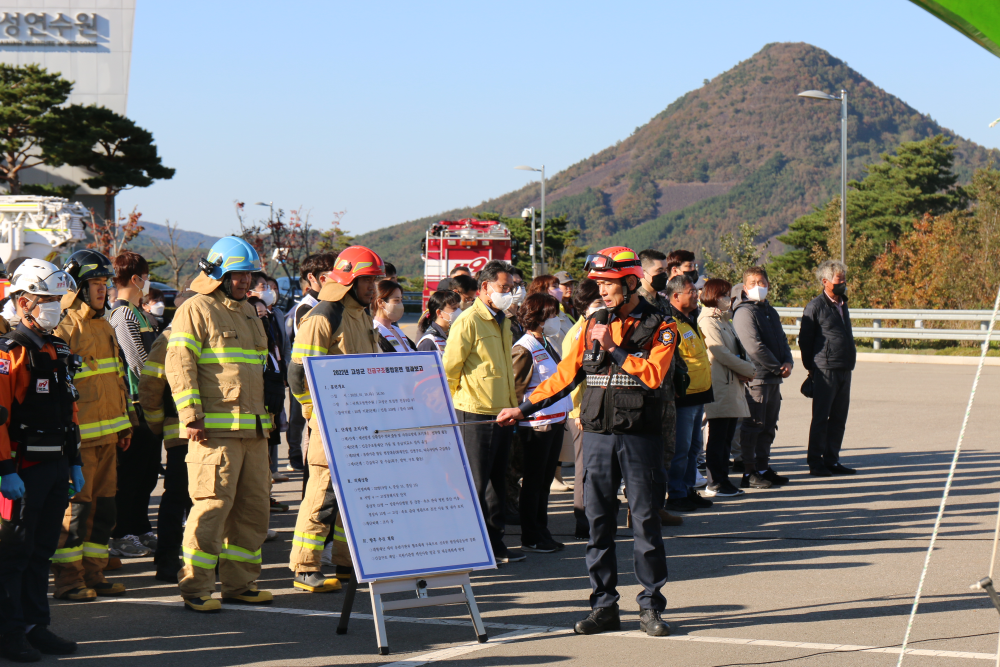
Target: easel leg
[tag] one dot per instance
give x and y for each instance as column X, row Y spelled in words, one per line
column 345, row 612
column 477, row 621
column 383, row 640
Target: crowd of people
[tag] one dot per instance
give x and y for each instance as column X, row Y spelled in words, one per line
column 617, row 373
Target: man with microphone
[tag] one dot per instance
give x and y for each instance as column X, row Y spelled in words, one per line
column 622, row 354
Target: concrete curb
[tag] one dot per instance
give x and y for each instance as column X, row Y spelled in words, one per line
column 890, row 358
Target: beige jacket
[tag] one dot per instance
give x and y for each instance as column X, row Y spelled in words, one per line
column 105, row 410
column 723, row 352
column 154, row 394
column 478, row 364
column 215, row 363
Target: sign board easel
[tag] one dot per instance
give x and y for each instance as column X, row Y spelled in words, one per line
column 406, row 497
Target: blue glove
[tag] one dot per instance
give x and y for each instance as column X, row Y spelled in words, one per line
column 76, row 473
column 11, row 486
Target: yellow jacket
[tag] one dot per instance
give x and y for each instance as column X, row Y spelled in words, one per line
column 478, row 362
column 215, row 363
column 105, row 410
column 691, row 346
column 155, row 397
column 567, row 347
column 336, row 325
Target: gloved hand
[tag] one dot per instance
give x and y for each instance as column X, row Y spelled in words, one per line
column 11, row 486
column 76, row 474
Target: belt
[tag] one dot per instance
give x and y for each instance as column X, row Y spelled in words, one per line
column 615, row 381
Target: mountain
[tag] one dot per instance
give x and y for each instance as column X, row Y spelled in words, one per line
column 742, row 148
column 183, row 237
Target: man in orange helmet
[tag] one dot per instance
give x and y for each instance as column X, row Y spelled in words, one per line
column 338, row 324
column 622, row 353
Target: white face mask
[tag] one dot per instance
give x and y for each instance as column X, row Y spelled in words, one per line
column 757, row 293
column 145, row 287
column 268, row 297
column 520, row 294
column 551, row 327
column 394, row 311
column 501, row 301
column 48, row 315
column 157, row 308
column 594, row 309
column 723, row 303
column 452, row 316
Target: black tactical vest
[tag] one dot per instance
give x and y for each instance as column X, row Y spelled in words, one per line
column 42, row 424
column 614, row 401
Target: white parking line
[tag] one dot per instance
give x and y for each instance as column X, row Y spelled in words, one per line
column 516, row 632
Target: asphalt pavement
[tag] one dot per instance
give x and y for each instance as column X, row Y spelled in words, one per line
column 820, row 572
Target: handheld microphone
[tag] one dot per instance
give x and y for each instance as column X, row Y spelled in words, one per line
column 600, row 317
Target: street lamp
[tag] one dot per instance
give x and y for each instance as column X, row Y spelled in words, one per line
column 527, row 215
column 270, row 205
column 820, row 95
column 542, row 170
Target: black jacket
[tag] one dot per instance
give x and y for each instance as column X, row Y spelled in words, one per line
column 825, row 338
column 759, row 329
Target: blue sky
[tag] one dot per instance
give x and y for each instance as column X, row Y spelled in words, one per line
column 394, row 111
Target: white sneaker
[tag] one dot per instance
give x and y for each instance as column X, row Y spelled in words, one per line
column 327, row 557
column 699, row 481
column 559, row 487
column 272, row 535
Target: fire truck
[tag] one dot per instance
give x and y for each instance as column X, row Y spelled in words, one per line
column 466, row 242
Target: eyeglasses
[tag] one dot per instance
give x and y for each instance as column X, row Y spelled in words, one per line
column 505, row 289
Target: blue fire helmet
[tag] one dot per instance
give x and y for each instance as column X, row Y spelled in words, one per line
column 230, row 254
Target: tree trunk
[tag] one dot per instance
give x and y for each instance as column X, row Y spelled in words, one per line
column 109, row 204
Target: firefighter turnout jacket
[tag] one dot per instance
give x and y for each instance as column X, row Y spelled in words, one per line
column 105, row 410
column 43, row 415
column 154, row 395
column 621, row 394
column 215, row 363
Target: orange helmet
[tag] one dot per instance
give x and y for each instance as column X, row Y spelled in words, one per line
column 355, row 261
column 616, row 262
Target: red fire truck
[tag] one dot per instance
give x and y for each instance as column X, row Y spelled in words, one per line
column 467, row 242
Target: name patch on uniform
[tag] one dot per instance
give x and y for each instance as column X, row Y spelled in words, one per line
column 688, row 334
column 666, row 337
column 41, row 386
column 541, row 356
column 4, row 366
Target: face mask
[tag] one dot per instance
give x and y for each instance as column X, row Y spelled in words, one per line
column 268, row 297
column 557, row 293
column 520, row 294
column 693, row 275
column 723, row 303
column 48, row 315
column 501, row 301
column 659, row 281
column 758, row 293
column 452, row 316
column 839, row 289
column 594, row 309
column 157, row 309
column 394, row 311
column 145, row 287
column 551, row 327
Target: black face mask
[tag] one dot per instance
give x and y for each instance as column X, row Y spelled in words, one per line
column 839, row 289
column 659, row 281
column 693, row 275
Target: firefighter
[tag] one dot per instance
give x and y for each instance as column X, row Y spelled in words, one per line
column 215, row 367
column 39, row 455
column 106, row 420
column 340, row 324
column 4, row 324
column 621, row 416
column 161, row 417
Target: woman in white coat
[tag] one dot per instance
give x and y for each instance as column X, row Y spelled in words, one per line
column 730, row 370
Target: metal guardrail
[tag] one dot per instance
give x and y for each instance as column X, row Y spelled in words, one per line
column 413, row 298
column 917, row 332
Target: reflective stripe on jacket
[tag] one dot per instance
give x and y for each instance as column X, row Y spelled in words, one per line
column 543, row 365
column 215, row 362
column 104, row 406
column 154, row 394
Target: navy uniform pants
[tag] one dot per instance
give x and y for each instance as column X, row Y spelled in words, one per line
column 28, row 541
column 639, row 460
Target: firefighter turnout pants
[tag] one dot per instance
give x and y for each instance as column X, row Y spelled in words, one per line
column 90, row 518
column 319, row 505
column 230, row 486
column 27, row 542
column 639, row 460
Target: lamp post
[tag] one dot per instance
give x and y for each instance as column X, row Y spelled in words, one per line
column 529, row 214
column 270, row 205
column 542, row 170
column 820, row 95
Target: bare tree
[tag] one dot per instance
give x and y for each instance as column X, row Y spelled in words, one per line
column 173, row 254
column 112, row 236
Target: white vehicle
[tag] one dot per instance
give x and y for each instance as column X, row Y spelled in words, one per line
column 34, row 226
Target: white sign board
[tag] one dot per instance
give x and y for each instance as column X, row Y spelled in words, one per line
column 407, row 498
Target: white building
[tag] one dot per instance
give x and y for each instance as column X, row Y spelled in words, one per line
column 89, row 42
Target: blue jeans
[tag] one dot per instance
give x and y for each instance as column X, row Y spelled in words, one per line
column 680, row 477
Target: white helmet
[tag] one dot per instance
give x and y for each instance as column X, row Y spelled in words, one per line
column 36, row 276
